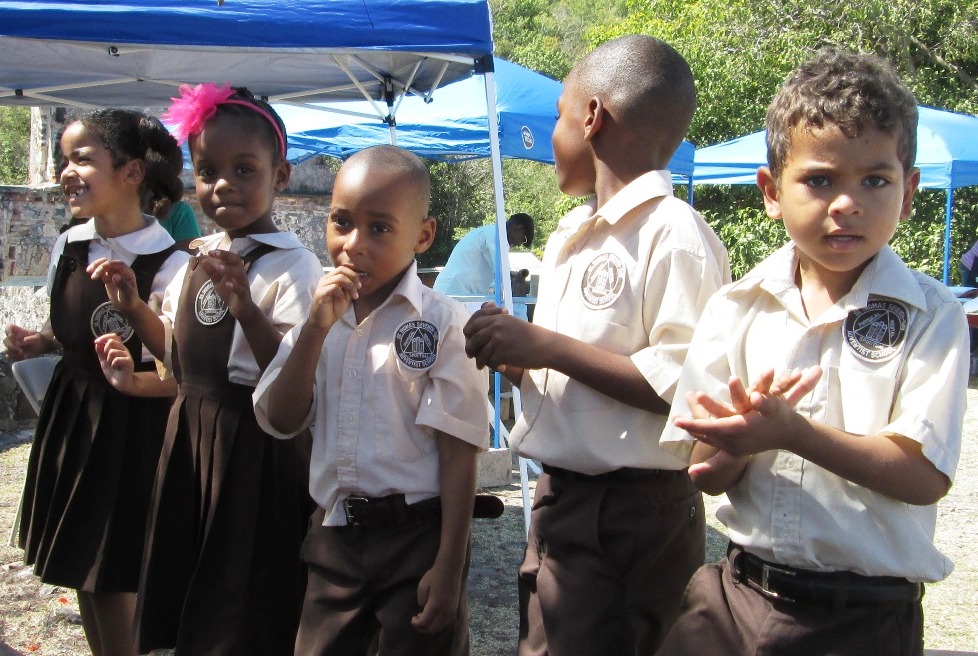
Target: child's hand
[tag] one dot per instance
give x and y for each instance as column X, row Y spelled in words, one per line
column 495, row 338
column 227, row 272
column 119, row 281
column 22, row 343
column 334, row 294
column 756, row 419
column 438, row 596
column 117, row 363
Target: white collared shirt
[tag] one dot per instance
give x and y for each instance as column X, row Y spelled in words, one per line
column 894, row 356
column 631, row 277
column 152, row 238
column 382, row 389
column 282, row 284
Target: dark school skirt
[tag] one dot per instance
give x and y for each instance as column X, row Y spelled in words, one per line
column 89, row 481
column 222, row 572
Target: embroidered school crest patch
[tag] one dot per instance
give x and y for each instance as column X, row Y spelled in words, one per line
column 208, row 306
column 416, row 344
column 106, row 319
column 603, row 281
column 877, row 331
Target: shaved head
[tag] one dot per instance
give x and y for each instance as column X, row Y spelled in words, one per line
column 398, row 162
column 645, row 84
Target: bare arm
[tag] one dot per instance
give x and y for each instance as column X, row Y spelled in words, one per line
column 22, row 343
column 440, row 587
column 120, row 285
column 230, row 278
column 290, row 395
column 118, row 367
column 497, row 339
column 890, row 464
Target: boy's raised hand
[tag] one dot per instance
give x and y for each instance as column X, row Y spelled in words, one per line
column 438, row 596
column 334, row 294
column 497, row 339
column 756, row 419
column 227, row 272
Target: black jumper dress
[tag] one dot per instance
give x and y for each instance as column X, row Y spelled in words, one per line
column 221, row 573
column 92, row 465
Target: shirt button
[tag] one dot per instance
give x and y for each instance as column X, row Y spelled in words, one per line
column 353, row 373
column 349, row 418
column 360, row 332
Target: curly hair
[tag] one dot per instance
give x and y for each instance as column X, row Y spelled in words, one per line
column 852, row 91
column 130, row 135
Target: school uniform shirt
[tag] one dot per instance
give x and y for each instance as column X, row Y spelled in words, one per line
column 894, row 357
column 471, row 267
column 282, row 284
column 382, row 389
column 152, row 238
column 632, row 278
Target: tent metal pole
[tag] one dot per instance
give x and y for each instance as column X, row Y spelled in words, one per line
column 504, row 291
column 947, row 233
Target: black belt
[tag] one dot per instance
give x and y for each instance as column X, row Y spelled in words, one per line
column 393, row 511
column 835, row 590
column 623, row 475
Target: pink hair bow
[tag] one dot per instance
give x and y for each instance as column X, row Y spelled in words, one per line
column 195, row 106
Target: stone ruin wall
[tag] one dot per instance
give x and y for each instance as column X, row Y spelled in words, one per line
column 30, row 220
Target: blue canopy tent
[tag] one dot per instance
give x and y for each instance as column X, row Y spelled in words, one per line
column 451, row 123
column 136, row 53
column 947, row 155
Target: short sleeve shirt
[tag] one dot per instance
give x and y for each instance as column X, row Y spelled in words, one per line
column 383, row 387
column 894, row 356
column 632, row 278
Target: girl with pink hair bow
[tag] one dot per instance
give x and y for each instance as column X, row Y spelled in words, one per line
column 221, row 571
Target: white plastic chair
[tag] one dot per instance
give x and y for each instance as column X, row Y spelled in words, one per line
column 33, row 376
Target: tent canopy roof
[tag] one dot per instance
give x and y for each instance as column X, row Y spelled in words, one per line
column 947, row 153
column 452, row 123
column 136, row 52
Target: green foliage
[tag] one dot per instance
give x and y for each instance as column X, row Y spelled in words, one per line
column 749, row 235
column 15, row 125
column 461, row 199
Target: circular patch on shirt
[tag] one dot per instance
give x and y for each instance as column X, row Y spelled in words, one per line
column 877, row 331
column 527, row 135
column 106, row 319
column 208, row 306
column 603, row 281
column 416, row 344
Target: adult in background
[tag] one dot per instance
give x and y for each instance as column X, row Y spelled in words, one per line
column 470, row 270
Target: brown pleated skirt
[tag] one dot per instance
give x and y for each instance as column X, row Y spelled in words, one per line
column 222, row 572
column 89, row 481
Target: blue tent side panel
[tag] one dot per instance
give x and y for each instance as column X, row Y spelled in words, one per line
column 947, row 153
column 420, row 25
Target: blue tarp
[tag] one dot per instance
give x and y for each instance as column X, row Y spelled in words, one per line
column 453, row 124
column 135, row 52
column 947, row 155
column 451, row 26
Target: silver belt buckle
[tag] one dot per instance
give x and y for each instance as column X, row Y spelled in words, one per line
column 766, row 569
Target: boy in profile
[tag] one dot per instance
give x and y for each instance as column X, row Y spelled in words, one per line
column 833, row 474
column 617, row 527
column 398, row 414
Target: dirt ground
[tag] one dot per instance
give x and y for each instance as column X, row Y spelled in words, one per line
column 44, row 620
